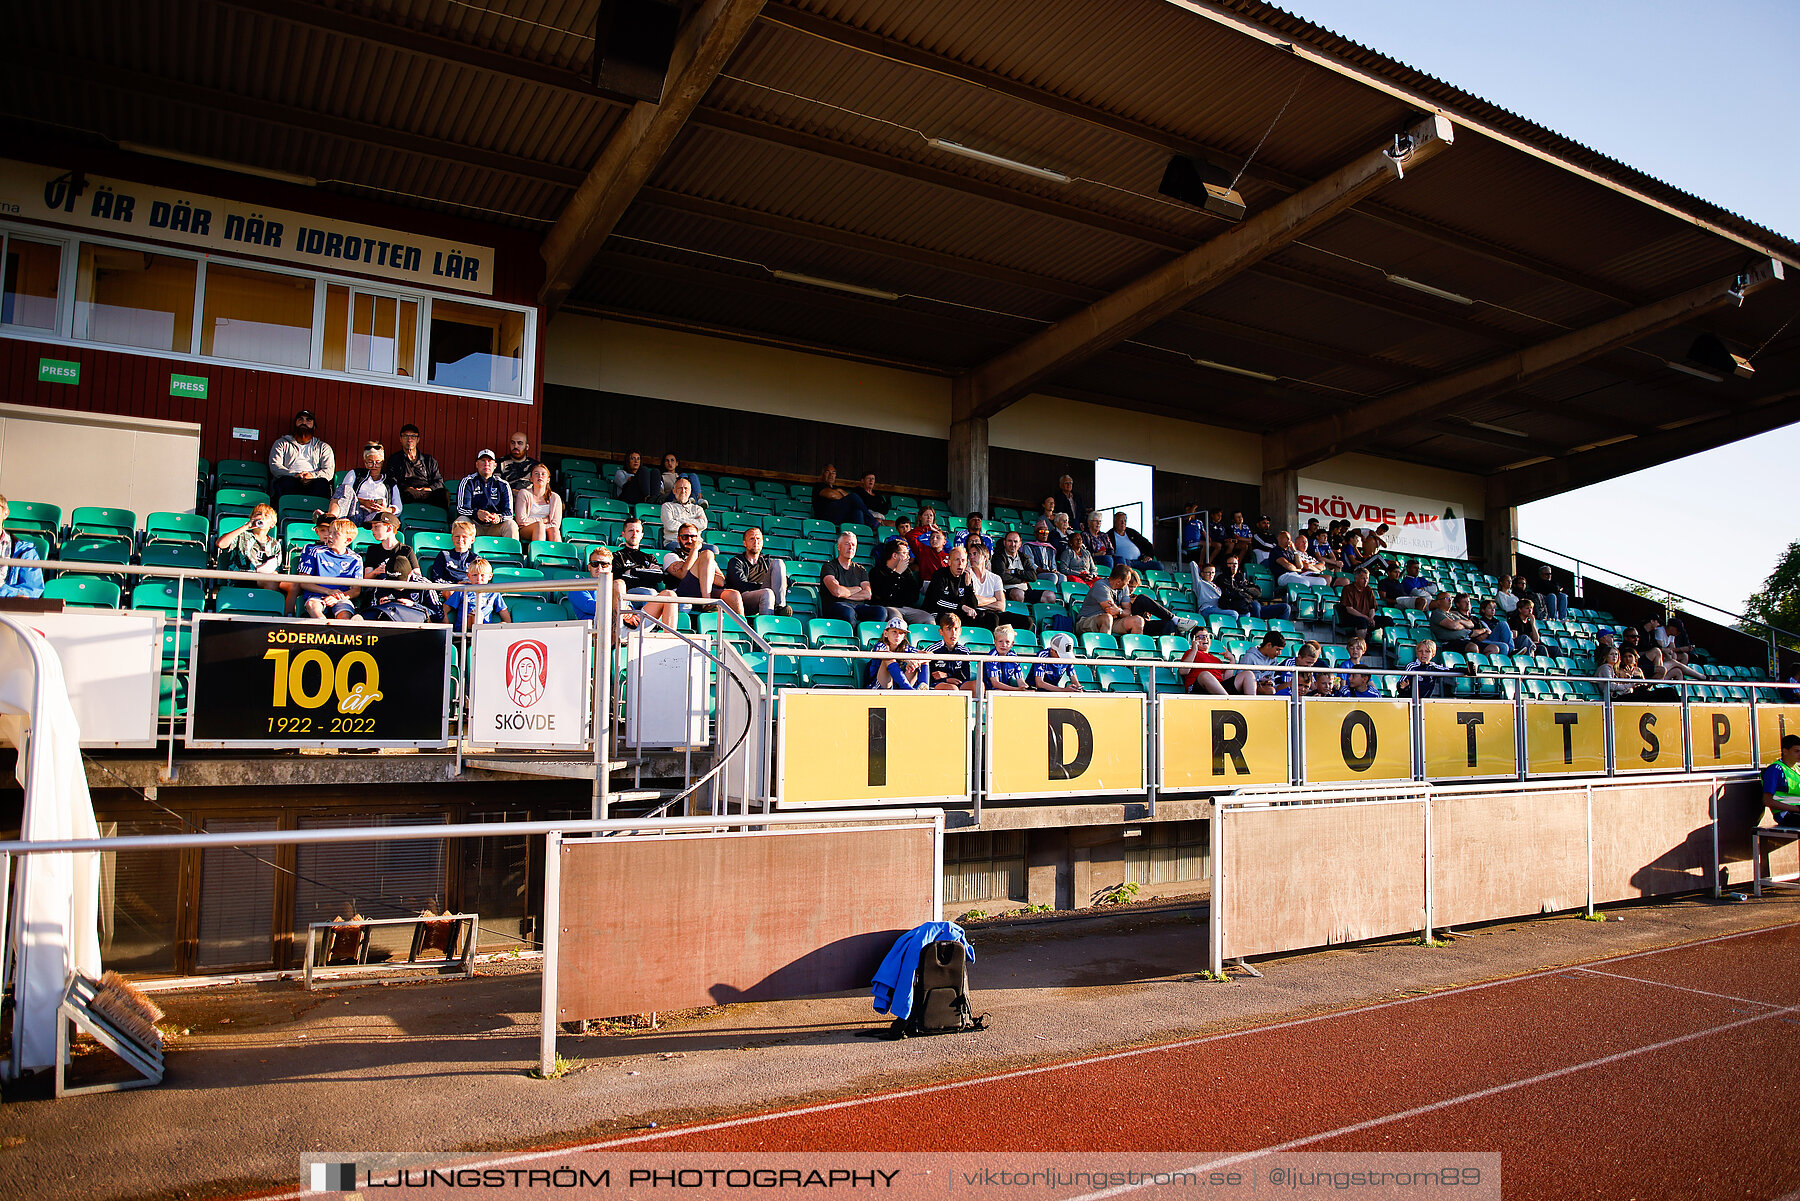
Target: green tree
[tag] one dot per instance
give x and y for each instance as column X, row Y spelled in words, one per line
column 1778, row 600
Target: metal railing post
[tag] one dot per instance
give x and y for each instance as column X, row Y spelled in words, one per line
column 552, row 944
column 600, row 703
column 1215, row 909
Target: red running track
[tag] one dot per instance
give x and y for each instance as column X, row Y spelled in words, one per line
column 1671, row 1073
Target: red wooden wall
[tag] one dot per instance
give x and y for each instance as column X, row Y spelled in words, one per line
column 455, row 427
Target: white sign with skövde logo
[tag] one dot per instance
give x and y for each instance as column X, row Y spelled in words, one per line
column 529, row 686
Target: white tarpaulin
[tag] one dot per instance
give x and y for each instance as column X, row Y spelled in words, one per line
column 529, row 686
column 54, row 924
column 1417, row 525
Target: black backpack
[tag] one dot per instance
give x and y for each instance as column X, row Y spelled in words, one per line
column 940, row 994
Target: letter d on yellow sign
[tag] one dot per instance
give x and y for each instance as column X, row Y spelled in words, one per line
column 1068, row 744
column 872, row 748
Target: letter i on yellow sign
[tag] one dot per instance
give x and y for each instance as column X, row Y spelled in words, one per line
column 872, row 748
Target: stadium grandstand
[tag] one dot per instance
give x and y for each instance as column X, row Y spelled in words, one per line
column 812, row 269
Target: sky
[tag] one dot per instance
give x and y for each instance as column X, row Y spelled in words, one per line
column 1703, row 97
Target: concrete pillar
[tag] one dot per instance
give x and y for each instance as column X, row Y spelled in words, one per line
column 1281, row 498
column 968, row 469
column 1500, row 527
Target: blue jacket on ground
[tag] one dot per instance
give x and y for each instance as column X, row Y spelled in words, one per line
column 894, row 979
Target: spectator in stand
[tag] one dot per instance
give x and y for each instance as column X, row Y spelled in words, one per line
column 680, row 510
column 1630, row 670
column 1242, row 594
column 484, row 499
column 1130, row 547
column 632, row 483
column 1781, row 783
column 1526, row 640
column 1450, row 629
column 1359, row 684
column 1353, row 554
column 1065, row 502
column 581, row 603
column 1041, row 553
column 1076, row 563
column 367, row 490
column 1193, row 531
column 903, row 528
column 1294, row 567
column 660, row 485
column 1654, row 634
column 694, row 568
column 331, row 560
column 640, row 570
column 1374, row 543
column 252, row 546
column 1006, row 673
column 537, row 510
column 1054, row 670
column 876, row 501
column 1479, row 630
column 1605, row 640
column 1267, row 653
column 1239, row 539
column 1357, row 607
column 516, row 467
column 1096, row 541
column 452, row 566
column 839, row 505
column 1141, row 603
column 1499, row 638
column 1102, row 612
column 625, row 473
column 1392, row 590
column 950, row 675
column 416, row 473
column 894, row 585
column 952, row 588
column 1210, row 595
column 391, row 559
column 1305, row 683
column 1660, row 665
column 1063, row 533
column 848, row 594
column 972, row 535
column 466, row 610
column 1506, row 601
column 1263, row 542
column 1199, row 680
column 906, row 675
column 1018, row 572
column 1426, row 677
column 21, row 580
column 1047, row 511
column 1415, row 590
column 990, row 593
column 759, row 580
column 1521, row 590
column 929, row 544
column 300, row 463
column 1552, row 598
column 1679, row 642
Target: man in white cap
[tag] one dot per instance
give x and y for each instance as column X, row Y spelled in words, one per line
column 1055, row 671
column 484, row 499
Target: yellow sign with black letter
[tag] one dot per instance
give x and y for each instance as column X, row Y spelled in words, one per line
column 1470, row 739
column 1773, row 723
column 1212, row 743
column 1720, row 735
column 1065, row 744
column 1358, row 740
column 873, row 748
column 1565, row 739
column 1647, row 738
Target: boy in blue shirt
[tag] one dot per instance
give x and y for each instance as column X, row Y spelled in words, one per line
column 1055, row 669
column 452, row 566
column 331, row 560
column 470, row 609
column 950, row 674
column 18, row 581
column 1781, row 783
column 1006, row 675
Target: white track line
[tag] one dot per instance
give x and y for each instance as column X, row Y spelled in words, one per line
column 1677, row 987
column 1446, row 1103
column 1109, row 1057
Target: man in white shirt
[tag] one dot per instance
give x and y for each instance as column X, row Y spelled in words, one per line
column 680, row 510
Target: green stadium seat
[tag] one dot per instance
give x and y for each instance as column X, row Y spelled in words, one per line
column 83, row 592
column 1139, row 646
column 584, row 530
column 161, row 594
column 176, row 554
column 421, row 516
column 868, row 633
column 830, row 673
column 176, row 527
column 831, row 631
column 562, row 554
column 249, row 600
column 514, row 575
column 241, row 473
column 780, row 631
column 734, row 483
column 978, row 640
column 1026, row 643
column 922, row 634
column 813, row 527
column 607, row 508
column 803, row 599
column 1100, row 646
column 95, row 550
column 500, row 551
column 34, row 515
column 1118, row 679
column 94, row 521
column 528, row 611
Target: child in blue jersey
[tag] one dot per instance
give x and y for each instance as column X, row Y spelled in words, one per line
column 1005, row 675
column 950, row 675
column 1055, row 669
column 906, row 675
column 470, row 609
column 452, row 566
column 332, row 561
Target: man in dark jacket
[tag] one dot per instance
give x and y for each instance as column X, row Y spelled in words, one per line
column 1129, row 548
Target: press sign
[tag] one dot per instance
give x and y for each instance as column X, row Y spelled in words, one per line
column 188, row 385
column 58, row 371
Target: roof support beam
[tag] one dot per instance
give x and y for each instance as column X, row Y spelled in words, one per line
column 996, row 384
column 1339, row 432
column 1523, row 485
column 708, row 40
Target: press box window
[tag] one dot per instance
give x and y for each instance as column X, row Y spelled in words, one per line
column 369, row 332
column 134, row 298
column 476, row 349
column 32, row 280
column 257, row 317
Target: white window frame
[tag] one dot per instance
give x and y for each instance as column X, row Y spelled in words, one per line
column 63, row 334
